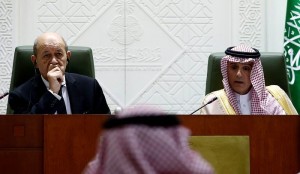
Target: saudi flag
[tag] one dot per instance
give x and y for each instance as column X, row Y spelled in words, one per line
column 292, row 49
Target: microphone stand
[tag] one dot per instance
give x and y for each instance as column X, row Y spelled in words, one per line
column 3, row 95
column 209, row 102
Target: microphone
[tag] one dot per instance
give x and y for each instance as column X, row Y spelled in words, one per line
column 3, row 95
column 209, row 102
column 117, row 110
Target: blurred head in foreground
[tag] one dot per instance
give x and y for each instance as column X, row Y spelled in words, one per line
column 145, row 140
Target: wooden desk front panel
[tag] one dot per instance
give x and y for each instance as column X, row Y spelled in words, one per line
column 274, row 140
column 68, row 143
column 21, row 144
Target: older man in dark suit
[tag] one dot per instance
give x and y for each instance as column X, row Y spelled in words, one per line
column 53, row 90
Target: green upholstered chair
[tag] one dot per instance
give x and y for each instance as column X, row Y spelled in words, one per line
column 273, row 64
column 81, row 62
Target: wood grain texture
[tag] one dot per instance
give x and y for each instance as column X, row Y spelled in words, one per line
column 65, row 144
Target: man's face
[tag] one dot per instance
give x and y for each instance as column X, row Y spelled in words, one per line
column 51, row 53
column 239, row 76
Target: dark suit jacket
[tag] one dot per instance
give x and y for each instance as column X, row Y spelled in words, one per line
column 85, row 93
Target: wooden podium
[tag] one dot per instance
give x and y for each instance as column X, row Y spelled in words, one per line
column 64, row 144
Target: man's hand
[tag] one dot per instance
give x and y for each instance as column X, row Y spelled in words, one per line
column 55, row 78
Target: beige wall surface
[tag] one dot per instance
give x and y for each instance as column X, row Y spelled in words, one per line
column 145, row 52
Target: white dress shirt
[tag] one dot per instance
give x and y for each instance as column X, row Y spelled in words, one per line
column 64, row 94
column 244, row 102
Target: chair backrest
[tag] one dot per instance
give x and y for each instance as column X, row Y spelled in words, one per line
column 273, row 63
column 81, row 62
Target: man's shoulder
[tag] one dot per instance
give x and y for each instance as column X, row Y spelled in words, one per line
column 27, row 84
column 27, row 88
column 75, row 75
column 282, row 98
column 79, row 79
column 217, row 93
column 275, row 90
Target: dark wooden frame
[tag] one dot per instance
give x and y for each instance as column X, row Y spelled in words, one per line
column 65, row 144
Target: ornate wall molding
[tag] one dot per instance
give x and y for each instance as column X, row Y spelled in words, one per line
column 145, row 52
column 6, row 48
column 251, row 23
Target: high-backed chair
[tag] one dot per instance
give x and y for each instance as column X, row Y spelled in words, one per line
column 274, row 71
column 81, row 62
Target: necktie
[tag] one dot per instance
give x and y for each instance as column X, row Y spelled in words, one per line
column 62, row 107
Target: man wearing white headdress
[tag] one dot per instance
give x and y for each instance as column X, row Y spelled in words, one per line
column 244, row 90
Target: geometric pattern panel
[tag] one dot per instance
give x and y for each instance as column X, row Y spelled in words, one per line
column 6, row 49
column 69, row 17
column 188, row 23
column 181, row 87
column 251, row 31
column 136, row 60
column 145, row 52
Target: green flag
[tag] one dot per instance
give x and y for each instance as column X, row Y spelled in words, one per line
column 292, row 49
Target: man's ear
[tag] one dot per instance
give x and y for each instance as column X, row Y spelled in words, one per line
column 68, row 56
column 33, row 60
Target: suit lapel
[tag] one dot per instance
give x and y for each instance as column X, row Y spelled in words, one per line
column 75, row 96
column 39, row 89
